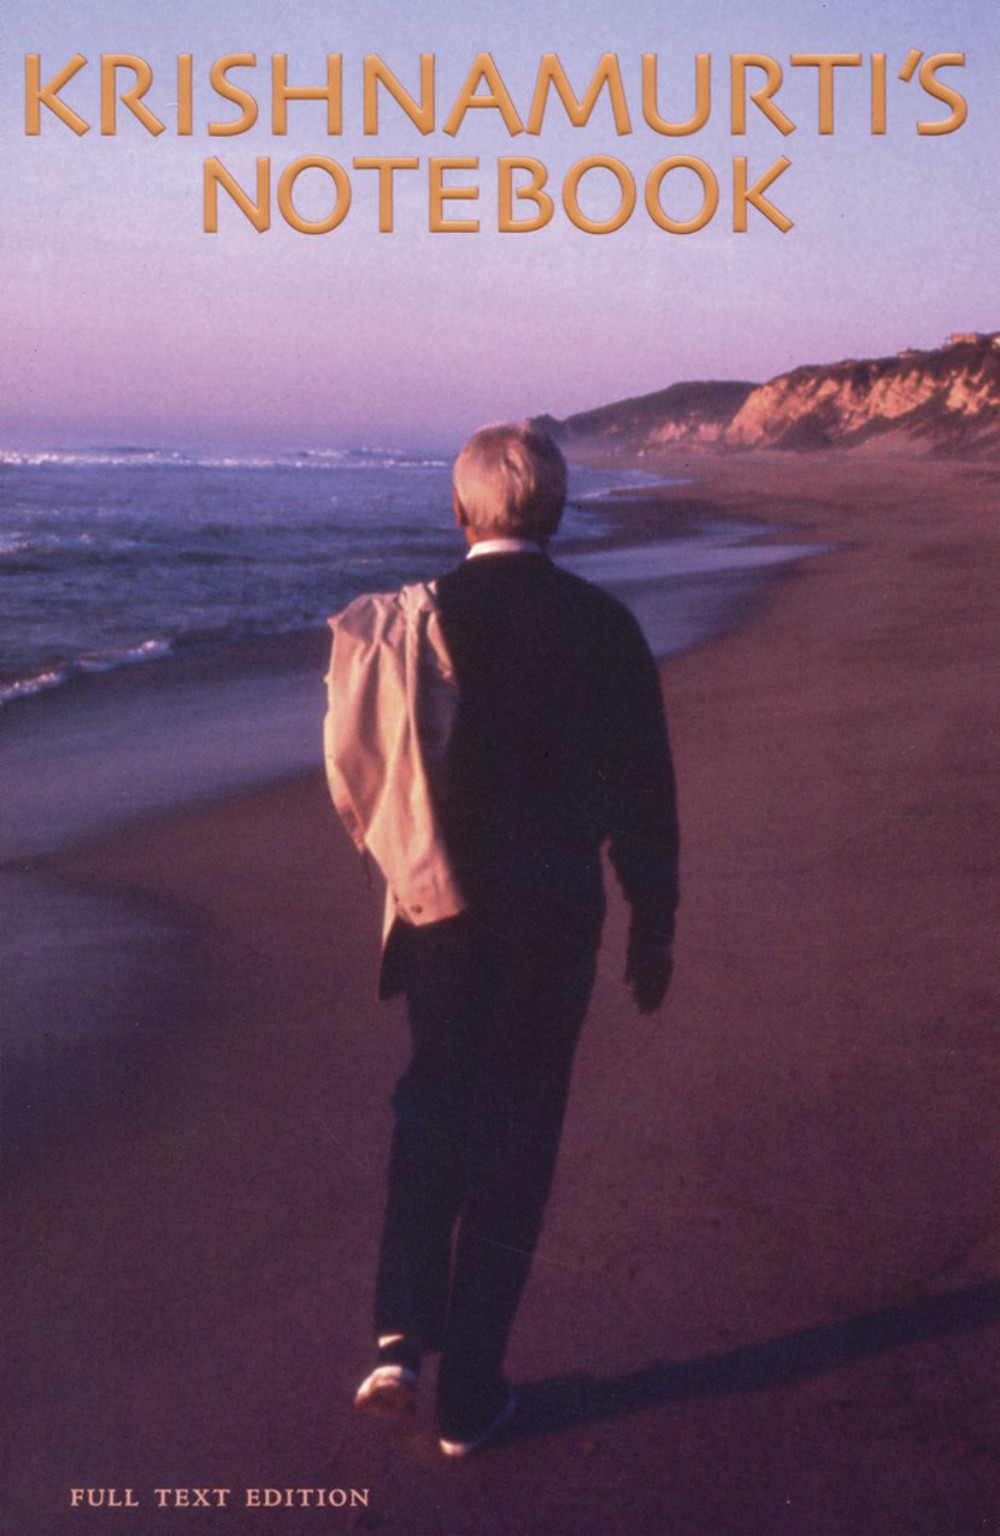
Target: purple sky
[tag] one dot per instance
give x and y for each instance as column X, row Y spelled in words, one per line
column 124, row 322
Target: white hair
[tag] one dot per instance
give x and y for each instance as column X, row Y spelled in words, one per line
column 510, row 481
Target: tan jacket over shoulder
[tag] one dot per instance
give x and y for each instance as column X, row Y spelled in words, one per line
column 391, row 702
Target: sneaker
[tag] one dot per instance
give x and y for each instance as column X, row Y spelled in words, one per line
column 392, row 1386
column 456, row 1444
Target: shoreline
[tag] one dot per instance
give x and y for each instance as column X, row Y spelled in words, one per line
column 209, row 720
column 758, row 1192
column 336, row 552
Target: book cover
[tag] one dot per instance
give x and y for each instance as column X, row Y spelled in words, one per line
column 265, row 270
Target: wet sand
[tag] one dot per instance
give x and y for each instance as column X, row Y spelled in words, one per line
column 765, row 1302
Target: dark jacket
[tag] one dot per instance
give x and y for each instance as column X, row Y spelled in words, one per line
column 559, row 744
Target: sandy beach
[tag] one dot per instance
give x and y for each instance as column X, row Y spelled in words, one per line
column 766, row 1299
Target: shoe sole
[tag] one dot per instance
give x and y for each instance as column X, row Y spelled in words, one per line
column 390, row 1390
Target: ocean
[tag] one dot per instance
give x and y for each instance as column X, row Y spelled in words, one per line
column 119, row 556
column 114, row 557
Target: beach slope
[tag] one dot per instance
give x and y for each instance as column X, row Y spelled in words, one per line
column 765, row 1302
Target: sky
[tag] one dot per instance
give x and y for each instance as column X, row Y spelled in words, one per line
column 125, row 322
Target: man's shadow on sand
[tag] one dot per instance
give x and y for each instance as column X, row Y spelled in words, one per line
column 575, row 1399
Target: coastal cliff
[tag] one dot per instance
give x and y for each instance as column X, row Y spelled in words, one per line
column 939, row 402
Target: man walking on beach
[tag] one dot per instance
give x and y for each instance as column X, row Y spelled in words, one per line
column 487, row 734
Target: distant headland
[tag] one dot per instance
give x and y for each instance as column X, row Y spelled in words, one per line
column 945, row 401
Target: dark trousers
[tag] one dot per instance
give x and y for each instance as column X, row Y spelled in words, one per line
column 478, row 1115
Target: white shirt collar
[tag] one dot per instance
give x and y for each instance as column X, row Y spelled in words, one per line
column 504, row 547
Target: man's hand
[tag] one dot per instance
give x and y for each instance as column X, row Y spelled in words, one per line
column 648, row 970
